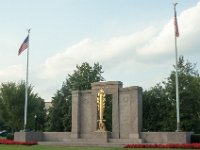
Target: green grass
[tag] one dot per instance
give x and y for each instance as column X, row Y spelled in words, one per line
column 45, row 147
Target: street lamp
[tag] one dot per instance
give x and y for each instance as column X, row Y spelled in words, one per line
column 35, row 122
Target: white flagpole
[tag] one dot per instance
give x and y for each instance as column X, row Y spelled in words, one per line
column 26, row 86
column 176, row 67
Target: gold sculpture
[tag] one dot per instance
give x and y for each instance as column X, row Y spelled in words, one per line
column 101, row 108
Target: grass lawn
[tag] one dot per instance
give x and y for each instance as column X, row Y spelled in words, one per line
column 44, row 147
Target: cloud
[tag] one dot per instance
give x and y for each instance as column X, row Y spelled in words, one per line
column 189, row 22
column 138, row 57
column 150, row 48
column 65, row 61
column 163, row 43
column 12, row 73
column 95, row 51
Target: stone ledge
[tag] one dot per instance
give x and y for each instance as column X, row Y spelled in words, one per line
column 166, row 137
column 83, row 144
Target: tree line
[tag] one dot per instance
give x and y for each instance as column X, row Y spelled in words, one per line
column 159, row 102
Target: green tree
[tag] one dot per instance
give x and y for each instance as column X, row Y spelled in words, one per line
column 189, row 93
column 108, row 113
column 159, row 107
column 158, row 113
column 81, row 79
column 12, row 97
column 57, row 112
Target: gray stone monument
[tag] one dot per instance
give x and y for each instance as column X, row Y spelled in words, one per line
column 126, row 112
column 126, row 121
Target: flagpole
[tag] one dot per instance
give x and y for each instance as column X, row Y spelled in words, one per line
column 176, row 68
column 26, row 84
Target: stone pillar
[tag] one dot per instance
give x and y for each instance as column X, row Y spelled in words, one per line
column 136, row 112
column 115, row 116
column 130, row 110
column 75, row 114
column 93, row 106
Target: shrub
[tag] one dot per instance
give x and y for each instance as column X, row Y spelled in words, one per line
column 11, row 142
column 195, row 138
column 10, row 136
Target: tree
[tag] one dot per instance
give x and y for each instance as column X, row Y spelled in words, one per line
column 108, row 113
column 161, row 100
column 189, row 93
column 12, row 97
column 57, row 112
column 81, row 79
column 158, row 113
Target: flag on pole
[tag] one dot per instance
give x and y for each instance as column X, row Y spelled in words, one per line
column 176, row 25
column 24, row 45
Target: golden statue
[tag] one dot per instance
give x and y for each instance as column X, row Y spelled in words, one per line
column 101, row 108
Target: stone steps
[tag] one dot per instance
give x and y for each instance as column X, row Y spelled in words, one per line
column 93, row 142
column 97, row 139
column 126, row 141
column 83, row 144
column 115, row 141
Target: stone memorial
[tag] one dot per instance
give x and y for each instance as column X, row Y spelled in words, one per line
column 89, row 123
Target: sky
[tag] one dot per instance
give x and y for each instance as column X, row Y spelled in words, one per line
column 133, row 40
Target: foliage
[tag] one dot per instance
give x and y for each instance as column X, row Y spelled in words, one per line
column 59, row 118
column 195, row 138
column 158, row 114
column 160, row 101
column 12, row 97
column 2, row 125
column 10, row 136
column 108, row 113
column 11, row 142
column 57, row 112
column 189, row 92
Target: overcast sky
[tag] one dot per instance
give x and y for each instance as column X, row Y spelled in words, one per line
column 132, row 39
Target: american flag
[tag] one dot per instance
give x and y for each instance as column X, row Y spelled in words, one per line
column 176, row 25
column 24, row 45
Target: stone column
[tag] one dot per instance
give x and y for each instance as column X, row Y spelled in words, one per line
column 115, row 115
column 75, row 114
column 93, row 106
column 135, row 112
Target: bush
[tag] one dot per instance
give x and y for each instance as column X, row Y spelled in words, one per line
column 195, row 138
column 11, row 142
column 10, row 136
